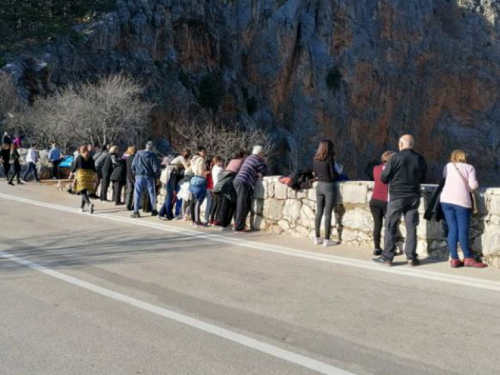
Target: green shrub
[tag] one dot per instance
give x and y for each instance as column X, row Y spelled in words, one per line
column 38, row 20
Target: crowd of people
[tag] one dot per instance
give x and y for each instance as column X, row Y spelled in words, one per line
column 189, row 180
column 228, row 187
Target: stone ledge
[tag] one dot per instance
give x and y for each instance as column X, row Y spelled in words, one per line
column 286, row 211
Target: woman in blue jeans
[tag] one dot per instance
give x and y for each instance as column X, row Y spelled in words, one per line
column 456, row 203
column 198, row 185
column 324, row 171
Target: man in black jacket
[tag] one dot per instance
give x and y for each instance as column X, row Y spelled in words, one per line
column 404, row 172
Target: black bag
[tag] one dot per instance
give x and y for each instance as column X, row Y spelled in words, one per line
column 301, row 180
column 434, row 209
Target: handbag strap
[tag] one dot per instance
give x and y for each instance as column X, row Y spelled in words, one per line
column 464, row 179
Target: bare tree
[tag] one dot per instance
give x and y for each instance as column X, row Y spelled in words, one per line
column 106, row 112
column 224, row 140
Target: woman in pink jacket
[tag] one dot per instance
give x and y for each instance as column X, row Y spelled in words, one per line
column 457, row 207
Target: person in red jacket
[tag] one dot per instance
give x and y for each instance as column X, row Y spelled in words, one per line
column 378, row 203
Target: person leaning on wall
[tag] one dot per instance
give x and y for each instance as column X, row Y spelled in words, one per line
column 457, row 204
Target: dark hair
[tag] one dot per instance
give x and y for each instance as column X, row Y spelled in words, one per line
column 325, row 150
column 201, row 149
column 186, row 153
column 386, row 156
column 240, row 154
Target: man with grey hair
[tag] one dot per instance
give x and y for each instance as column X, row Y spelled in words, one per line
column 244, row 184
column 404, row 173
column 146, row 169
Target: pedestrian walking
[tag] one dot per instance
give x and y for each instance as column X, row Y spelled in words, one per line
column 405, row 172
column 31, row 160
column 254, row 167
column 15, row 163
column 146, row 170
column 378, row 202
column 55, row 159
column 325, row 173
column 198, row 185
column 6, row 140
column 457, row 203
column 5, row 159
column 18, row 141
column 129, row 192
column 85, row 174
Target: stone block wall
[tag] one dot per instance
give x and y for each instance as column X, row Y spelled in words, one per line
column 282, row 210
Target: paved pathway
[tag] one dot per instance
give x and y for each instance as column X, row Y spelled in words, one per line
column 106, row 294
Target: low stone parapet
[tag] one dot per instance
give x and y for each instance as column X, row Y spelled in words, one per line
column 282, row 210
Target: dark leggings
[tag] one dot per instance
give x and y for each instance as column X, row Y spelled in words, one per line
column 325, row 196
column 214, row 213
column 85, row 198
column 378, row 209
column 17, row 173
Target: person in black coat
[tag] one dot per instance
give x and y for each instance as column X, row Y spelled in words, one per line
column 118, row 177
column 5, row 157
column 14, row 160
column 106, row 171
column 130, row 177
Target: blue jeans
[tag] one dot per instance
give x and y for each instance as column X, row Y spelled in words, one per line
column 168, row 207
column 31, row 168
column 458, row 221
column 142, row 183
column 198, row 188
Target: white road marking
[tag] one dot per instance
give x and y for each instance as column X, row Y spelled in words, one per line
column 368, row 265
column 249, row 342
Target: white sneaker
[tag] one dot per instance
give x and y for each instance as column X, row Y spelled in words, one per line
column 318, row 241
column 327, row 243
column 82, row 210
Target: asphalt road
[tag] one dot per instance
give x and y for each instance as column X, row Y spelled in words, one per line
column 110, row 295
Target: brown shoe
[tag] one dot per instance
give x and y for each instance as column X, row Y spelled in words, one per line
column 455, row 263
column 471, row 262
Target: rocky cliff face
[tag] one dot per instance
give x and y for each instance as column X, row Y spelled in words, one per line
column 361, row 72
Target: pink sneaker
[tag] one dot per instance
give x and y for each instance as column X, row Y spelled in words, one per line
column 471, row 262
column 455, row 263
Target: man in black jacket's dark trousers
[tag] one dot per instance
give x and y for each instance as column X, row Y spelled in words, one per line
column 106, row 170
column 129, row 196
column 405, row 172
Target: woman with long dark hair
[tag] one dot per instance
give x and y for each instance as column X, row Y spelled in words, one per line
column 14, row 161
column 84, row 169
column 324, row 171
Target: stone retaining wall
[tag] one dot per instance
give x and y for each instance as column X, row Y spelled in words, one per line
column 282, row 210
column 279, row 209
